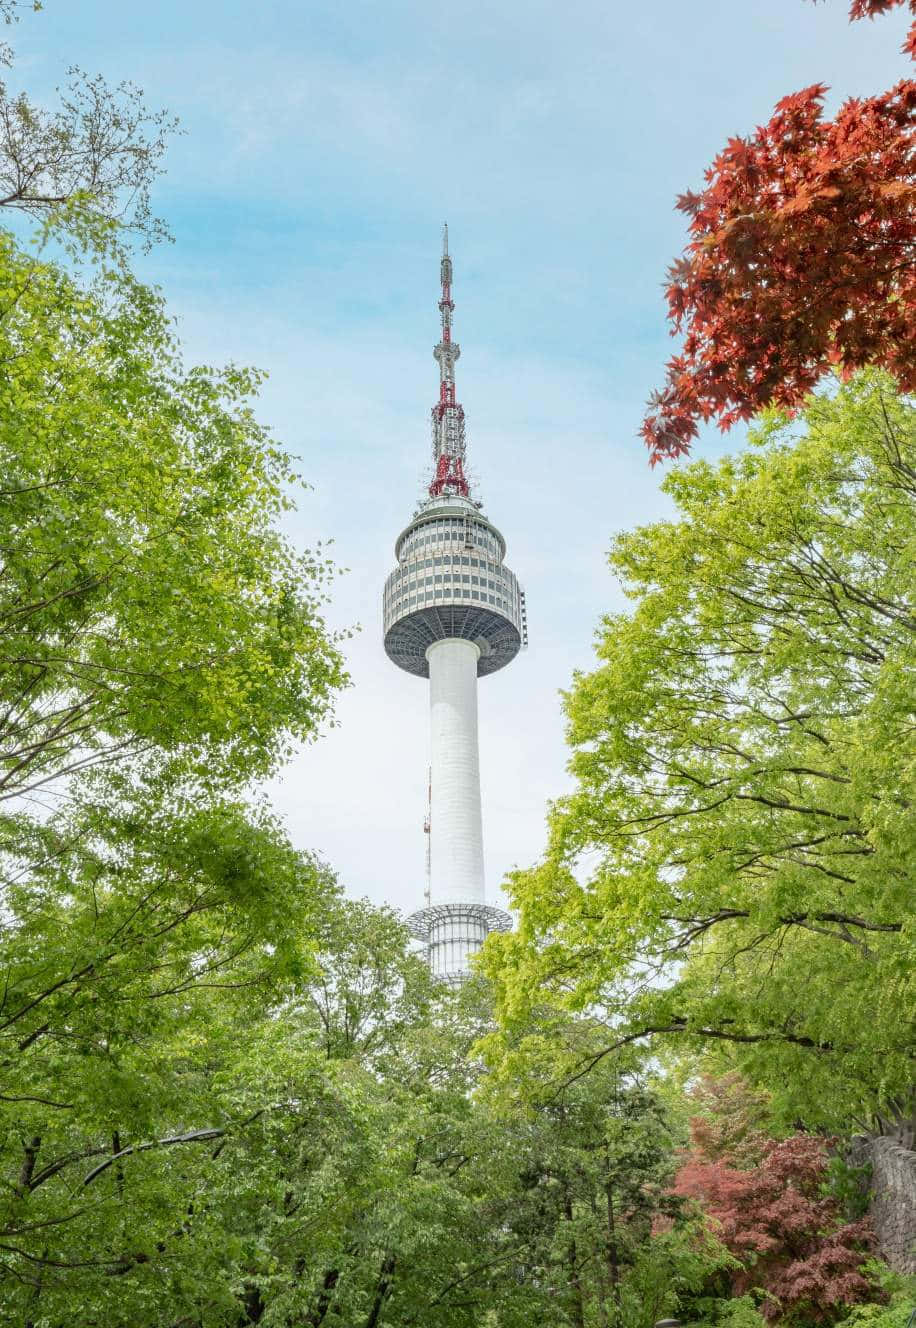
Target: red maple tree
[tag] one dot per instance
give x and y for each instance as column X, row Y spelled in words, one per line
column 787, row 1233
column 802, row 257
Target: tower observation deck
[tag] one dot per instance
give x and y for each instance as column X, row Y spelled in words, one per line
column 453, row 612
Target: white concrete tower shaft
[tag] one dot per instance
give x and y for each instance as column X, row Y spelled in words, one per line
column 456, row 880
column 456, row 830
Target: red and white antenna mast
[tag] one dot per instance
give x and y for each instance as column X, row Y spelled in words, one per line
column 447, row 415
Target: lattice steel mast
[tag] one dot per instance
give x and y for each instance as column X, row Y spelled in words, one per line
column 447, row 414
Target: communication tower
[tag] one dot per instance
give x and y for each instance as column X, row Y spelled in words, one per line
column 453, row 612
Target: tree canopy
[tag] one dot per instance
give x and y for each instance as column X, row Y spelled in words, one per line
column 162, row 648
column 733, row 866
column 149, row 605
column 800, row 260
column 243, row 1136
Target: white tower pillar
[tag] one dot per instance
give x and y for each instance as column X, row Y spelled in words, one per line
column 456, row 833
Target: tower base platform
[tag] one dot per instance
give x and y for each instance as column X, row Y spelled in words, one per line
column 453, row 932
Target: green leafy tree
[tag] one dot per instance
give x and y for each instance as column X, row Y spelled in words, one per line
column 149, row 604
column 162, row 647
column 614, row 1156
column 612, row 1240
column 400, row 1188
column 142, row 956
column 733, row 868
column 390, row 1185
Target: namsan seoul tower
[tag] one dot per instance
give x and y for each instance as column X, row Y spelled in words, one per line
column 453, row 612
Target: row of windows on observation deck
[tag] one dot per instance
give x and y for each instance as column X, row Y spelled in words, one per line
column 417, row 584
column 396, row 602
column 413, row 577
column 454, row 560
column 450, row 528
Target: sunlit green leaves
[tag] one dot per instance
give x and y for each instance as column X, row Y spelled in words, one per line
column 162, row 646
column 732, row 869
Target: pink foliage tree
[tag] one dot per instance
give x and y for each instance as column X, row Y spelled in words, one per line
column 787, row 1232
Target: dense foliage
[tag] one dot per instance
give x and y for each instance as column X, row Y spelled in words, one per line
column 162, row 645
column 733, row 866
column 320, row 1147
column 800, row 259
column 785, row 1229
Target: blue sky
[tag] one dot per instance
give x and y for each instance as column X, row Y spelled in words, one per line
column 324, row 145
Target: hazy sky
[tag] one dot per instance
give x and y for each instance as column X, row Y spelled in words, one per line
column 325, row 143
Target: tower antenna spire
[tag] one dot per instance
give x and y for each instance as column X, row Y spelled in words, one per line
column 447, row 414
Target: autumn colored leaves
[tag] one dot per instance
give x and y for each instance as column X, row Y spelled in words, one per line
column 801, row 259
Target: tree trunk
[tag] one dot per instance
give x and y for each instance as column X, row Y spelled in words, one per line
column 382, row 1290
column 612, row 1253
column 23, row 1186
column 30, row 1153
column 575, row 1277
column 331, row 1278
column 253, row 1306
column 119, row 1170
